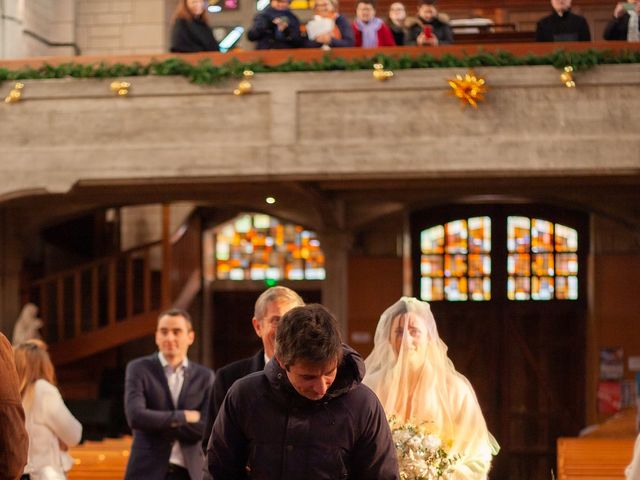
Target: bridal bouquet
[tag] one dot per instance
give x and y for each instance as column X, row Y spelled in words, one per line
column 421, row 455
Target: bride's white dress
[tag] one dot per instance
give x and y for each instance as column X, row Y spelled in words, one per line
column 415, row 381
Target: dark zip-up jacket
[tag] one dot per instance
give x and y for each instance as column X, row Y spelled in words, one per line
column 266, row 430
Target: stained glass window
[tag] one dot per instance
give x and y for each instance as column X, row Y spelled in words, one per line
column 455, row 261
column 261, row 247
column 542, row 261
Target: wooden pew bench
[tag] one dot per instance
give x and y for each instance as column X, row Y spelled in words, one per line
column 594, row 458
column 105, row 460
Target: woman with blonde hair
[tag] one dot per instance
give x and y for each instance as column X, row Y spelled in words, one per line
column 51, row 426
column 416, row 382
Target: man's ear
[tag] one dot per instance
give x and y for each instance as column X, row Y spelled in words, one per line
column 257, row 326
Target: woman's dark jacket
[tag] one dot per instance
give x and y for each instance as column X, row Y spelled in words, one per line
column 617, row 28
column 400, row 34
column 439, row 26
column 266, row 33
column 266, row 430
column 192, row 36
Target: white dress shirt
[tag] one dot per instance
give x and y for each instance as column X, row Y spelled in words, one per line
column 175, row 380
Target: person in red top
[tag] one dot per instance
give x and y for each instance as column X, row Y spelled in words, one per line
column 370, row 31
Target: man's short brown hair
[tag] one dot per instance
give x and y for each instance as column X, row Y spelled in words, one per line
column 308, row 333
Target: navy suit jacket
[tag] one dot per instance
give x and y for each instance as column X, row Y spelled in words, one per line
column 156, row 423
column 225, row 377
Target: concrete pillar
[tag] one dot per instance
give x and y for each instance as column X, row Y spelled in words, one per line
column 336, row 245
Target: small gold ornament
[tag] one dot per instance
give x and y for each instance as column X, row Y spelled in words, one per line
column 245, row 85
column 379, row 73
column 470, row 89
column 120, row 88
column 15, row 95
column 566, row 77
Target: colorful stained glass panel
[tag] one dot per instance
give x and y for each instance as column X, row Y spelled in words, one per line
column 518, row 234
column 456, row 236
column 259, row 247
column 432, row 240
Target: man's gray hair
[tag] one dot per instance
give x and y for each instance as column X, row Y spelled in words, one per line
column 275, row 293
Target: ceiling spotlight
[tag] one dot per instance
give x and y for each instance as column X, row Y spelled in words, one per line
column 270, row 200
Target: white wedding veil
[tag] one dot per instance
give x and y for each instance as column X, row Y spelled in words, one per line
column 416, row 381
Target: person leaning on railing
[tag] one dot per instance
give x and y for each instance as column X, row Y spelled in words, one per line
column 190, row 31
column 328, row 29
column 370, row 31
column 625, row 24
column 397, row 22
column 276, row 27
column 562, row 25
column 430, row 28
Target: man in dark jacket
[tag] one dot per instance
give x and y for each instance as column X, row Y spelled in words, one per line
column 307, row 415
column 562, row 25
column 166, row 401
column 271, row 305
column 276, row 27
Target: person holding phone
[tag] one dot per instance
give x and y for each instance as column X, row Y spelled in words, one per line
column 276, row 27
column 624, row 25
column 430, row 28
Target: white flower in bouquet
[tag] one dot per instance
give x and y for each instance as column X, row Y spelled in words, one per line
column 421, row 455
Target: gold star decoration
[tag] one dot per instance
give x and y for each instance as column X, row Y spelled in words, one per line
column 566, row 77
column 470, row 89
column 15, row 95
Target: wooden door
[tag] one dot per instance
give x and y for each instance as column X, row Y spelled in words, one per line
column 525, row 359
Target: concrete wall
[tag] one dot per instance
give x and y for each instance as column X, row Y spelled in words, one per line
column 329, row 125
column 28, row 25
column 121, row 26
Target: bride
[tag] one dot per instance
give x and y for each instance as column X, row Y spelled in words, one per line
column 415, row 381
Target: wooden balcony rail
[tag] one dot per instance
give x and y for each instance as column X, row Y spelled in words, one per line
column 276, row 57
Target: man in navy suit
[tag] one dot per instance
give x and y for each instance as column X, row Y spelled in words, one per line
column 166, row 401
column 272, row 304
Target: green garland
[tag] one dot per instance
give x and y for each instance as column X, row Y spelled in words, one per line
column 207, row 73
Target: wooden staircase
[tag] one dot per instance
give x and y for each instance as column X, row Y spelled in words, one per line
column 110, row 301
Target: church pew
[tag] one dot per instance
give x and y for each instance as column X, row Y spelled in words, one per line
column 593, row 458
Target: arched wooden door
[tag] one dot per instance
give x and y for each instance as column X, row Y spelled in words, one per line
column 525, row 358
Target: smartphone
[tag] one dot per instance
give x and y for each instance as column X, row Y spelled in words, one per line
column 428, row 31
column 629, row 6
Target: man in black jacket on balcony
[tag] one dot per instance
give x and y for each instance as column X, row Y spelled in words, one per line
column 562, row 25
